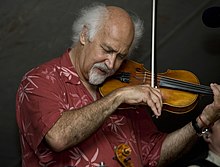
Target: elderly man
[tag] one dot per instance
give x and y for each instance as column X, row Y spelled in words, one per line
column 62, row 119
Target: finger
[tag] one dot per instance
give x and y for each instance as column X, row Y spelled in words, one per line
column 158, row 94
column 157, row 102
column 152, row 98
column 154, row 102
column 215, row 88
column 216, row 91
column 147, row 100
column 155, row 92
column 153, row 107
column 156, row 98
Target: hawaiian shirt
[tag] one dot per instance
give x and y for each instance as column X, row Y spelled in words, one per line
column 54, row 87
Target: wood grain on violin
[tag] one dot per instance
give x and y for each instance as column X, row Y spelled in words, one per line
column 180, row 89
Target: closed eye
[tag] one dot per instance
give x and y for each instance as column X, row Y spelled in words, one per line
column 122, row 56
column 108, row 50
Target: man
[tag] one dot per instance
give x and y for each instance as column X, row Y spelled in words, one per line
column 212, row 138
column 62, row 119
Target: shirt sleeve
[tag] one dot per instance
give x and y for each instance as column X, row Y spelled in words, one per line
column 40, row 104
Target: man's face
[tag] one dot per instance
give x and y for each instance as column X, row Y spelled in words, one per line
column 104, row 54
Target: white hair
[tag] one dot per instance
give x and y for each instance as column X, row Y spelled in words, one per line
column 138, row 31
column 92, row 18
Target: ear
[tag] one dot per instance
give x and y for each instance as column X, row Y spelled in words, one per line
column 84, row 35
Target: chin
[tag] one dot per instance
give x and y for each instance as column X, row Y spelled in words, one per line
column 97, row 80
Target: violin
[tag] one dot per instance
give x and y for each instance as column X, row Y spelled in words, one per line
column 180, row 89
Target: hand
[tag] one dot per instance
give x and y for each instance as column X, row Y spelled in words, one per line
column 143, row 94
column 212, row 111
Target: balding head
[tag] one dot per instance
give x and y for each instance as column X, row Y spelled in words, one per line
column 119, row 15
column 118, row 24
column 95, row 16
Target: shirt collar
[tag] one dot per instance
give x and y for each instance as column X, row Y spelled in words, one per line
column 67, row 70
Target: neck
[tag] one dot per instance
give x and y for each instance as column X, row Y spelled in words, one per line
column 91, row 88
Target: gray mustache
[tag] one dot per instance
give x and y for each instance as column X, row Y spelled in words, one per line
column 104, row 68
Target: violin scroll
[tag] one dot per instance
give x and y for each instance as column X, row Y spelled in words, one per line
column 122, row 154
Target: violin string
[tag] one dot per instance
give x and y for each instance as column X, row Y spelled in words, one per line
column 198, row 87
column 186, row 85
column 189, row 84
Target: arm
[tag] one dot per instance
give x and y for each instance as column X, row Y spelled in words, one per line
column 176, row 144
column 75, row 126
column 180, row 141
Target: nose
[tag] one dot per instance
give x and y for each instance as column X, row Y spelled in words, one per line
column 110, row 61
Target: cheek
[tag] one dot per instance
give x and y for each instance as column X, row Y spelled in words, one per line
column 97, row 55
column 216, row 141
column 91, row 59
column 118, row 64
column 216, row 134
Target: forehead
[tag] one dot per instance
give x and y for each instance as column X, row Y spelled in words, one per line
column 115, row 37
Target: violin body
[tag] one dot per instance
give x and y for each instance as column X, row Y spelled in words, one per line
column 180, row 89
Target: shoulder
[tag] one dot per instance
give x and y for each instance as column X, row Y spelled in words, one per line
column 46, row 71
column 55, row 68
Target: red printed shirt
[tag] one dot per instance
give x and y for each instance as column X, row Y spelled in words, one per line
column 54, row 87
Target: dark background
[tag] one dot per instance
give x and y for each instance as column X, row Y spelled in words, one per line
column 34, row 31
